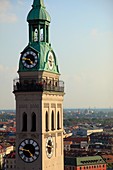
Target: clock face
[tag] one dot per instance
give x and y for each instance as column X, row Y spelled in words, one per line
column 49, row 147
column 28, row 150
column 29, row 59
column 50, row 60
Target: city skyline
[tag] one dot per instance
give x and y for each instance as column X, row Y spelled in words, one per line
column 81, row 34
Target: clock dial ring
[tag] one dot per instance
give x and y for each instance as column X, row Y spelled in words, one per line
column 50, row 60
column 28, row 150
column 29, row 59
column 49, row 147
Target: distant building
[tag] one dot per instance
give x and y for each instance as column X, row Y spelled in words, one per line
column 11, row 136
column 85, row 131
column 2, row 153
column 4, row 150
column 10, row 161
column 67, row 145
column 103, row 137
column 76, row 139
column 82, row 163
column 109, row 160
column 75, row 142
column 99, row 147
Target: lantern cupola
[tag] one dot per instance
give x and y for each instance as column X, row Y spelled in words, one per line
column 38, row 19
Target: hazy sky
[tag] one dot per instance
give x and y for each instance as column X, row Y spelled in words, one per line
column 81, row 34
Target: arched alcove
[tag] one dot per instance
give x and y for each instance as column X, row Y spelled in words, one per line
column 58, row 120
column 52, row 121
column 33, row 123
column 46, row 122
column 24, row 122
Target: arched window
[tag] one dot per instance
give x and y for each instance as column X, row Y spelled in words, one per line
column 52, row 121
column 58, row 120
column 46, row 122
column 24, row 122
column 35, row 36
column 47, row 34
column 42, row 33
column 33, row 123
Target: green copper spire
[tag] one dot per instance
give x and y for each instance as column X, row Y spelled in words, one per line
column 38, row 12
column 38, row 3
column 39, row 21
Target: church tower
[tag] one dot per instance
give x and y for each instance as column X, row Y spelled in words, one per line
column 39, row 99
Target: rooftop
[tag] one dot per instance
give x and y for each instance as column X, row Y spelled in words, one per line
column 81, row 161
column 11, row 155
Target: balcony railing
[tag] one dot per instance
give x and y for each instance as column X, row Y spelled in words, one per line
column 30, row 85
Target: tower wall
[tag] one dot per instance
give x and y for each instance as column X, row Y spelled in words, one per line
column 39, row 99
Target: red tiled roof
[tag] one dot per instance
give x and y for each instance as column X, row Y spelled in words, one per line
column 11, row 155
column 76, row 139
